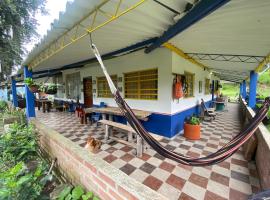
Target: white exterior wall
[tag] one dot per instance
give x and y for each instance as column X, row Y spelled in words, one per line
column 180, row 66
column 167, row 64
column 136, row 61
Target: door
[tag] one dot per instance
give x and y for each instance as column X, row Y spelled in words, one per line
column 87, row 92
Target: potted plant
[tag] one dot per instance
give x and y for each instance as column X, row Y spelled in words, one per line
column 192, row 128
column 51, row 88
column 33, row 86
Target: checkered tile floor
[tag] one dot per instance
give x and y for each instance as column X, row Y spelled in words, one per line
column 234, row 178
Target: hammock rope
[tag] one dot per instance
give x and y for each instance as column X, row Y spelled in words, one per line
column 220, row 155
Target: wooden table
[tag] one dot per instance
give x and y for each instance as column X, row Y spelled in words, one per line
column 45, row 104
column 140, row 114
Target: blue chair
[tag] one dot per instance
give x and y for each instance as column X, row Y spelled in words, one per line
column 95, row 117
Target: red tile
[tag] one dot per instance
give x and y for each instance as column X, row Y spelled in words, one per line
column 110, row 158
column 212, row 196
column 193, row 154
column 167, row 166
column 126, row 148
column 184, row 196
column 145, row 157
column 152, row 182
column 224, row 164
column 187, row 167
column 198, row 180
column 220, row 178
column 234, row 194
column 127, row 157
column 176, row 181
column 239, row 162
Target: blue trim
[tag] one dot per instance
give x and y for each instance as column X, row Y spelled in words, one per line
column 14, row 92
column 201, row 10
column 166, row 125
column 213, row 90
column 29, row 96
column 252, row 89
column 244, row 89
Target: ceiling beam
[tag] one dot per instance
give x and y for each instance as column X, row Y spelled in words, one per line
column 183, row 54
column 198, row 12
column 264, row 62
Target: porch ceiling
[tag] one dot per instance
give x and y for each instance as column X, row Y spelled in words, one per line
column 238, row 28
column 148, row 20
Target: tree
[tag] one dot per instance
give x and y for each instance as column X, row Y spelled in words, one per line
column 17, row 27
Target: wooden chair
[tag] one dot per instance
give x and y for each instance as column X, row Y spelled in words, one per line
column 207, row 113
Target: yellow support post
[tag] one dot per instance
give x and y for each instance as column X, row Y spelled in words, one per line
column 183, row 55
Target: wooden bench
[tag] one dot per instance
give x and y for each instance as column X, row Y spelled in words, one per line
column 138, row 145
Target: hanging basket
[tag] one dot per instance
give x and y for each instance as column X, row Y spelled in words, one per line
column 33, row 88
column 51, row 91
column 192, row 132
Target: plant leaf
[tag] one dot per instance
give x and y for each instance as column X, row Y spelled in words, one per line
column 77, row 192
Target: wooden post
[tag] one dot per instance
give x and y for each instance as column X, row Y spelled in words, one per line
column 139, row 146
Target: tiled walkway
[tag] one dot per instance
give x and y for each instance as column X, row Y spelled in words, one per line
column 234, row 178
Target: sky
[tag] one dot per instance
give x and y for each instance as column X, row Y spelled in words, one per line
column 53, row 7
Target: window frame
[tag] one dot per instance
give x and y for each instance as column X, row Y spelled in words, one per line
column 107, row 88
column 138, row 91
column 186, row 73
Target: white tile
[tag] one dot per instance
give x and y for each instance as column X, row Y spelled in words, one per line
column 118, row 163
column 139, row 175
column 181, row 172
column 136, row 162
column 119, row 153
column 118, row 146
column 218, row 189
column 168, row 190
column 202, row 171
column 160, row 174
column 102, row 154
column 221, row 170
column 194, row 191
column 240, row 186
column 154, row 161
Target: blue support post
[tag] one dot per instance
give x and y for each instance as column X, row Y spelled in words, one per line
column 30, row 99
column 241, row 90
column 14, row 92
column 244, row 92
column 252, row 89
column 213, row 90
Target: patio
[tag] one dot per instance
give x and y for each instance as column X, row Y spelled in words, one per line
column 234, row 178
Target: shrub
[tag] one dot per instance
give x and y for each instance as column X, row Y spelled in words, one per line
column 193, row 120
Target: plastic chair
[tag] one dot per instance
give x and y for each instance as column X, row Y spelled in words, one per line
column 95, row 117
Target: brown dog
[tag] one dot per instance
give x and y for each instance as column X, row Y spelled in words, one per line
column 93, row 144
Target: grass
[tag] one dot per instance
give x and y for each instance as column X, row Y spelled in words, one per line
column 230, row 89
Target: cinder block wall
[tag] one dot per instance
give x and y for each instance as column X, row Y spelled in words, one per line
column 82, row 167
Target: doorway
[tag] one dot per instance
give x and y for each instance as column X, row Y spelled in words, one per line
column 87, row 92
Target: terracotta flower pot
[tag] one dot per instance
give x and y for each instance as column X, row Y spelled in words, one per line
column 192, row 132
column 33, row 88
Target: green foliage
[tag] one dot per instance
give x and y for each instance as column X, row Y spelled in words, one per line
column 193, row 120
column 18, row 144
column 77, row 193
column 17, row 27
column 3, row 105
column 20, row 183
column 264, row 78
column 29, row 82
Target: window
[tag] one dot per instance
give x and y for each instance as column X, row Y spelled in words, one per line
column 103, row 88
column 142, row 84
column 58, row 79
column 207, row 86
column 189, row 84
column 73, row 86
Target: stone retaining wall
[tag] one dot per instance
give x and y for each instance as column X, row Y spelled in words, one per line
column 82, row 167
column 262, row 155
